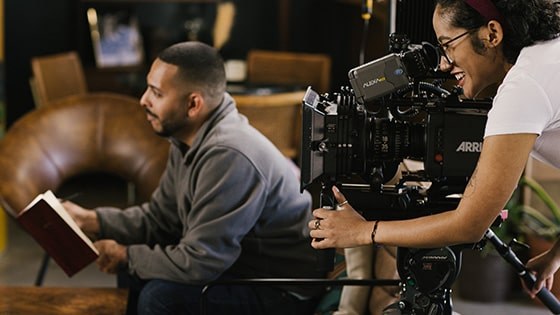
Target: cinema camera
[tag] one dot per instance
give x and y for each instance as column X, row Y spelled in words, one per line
column 397, row 109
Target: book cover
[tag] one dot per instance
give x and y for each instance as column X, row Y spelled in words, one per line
column 46, row 220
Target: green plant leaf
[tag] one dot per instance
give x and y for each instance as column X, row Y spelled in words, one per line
column 543, row 195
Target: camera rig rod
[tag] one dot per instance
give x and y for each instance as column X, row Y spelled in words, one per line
column 546, row 297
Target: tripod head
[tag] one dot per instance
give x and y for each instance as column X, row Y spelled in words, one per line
column 428, row 274
column 426, row 279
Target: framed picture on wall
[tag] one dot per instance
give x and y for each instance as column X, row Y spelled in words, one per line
column 116, row 38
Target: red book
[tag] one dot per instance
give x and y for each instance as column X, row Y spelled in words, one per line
column 46, row 220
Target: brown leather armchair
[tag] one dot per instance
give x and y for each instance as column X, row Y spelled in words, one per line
column 78, row 135
column 96, row 132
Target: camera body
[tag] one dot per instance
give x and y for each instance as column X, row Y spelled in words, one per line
column 396, row 109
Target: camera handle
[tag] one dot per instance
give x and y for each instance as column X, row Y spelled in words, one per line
column 546, row 297
column 326, row 257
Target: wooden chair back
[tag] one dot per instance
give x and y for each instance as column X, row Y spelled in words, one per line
column 277, row 116
column 289, row 68
column 57, row 76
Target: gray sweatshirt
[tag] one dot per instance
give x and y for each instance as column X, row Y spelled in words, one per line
column 229, row 205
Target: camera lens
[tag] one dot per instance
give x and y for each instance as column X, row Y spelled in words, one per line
column 396, row 140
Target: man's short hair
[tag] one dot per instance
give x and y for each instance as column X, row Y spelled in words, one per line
column 200, row 66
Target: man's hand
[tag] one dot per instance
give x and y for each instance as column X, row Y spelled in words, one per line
column 112, row 256
column 85, row 218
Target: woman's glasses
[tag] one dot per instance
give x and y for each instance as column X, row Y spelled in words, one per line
column 443, row 46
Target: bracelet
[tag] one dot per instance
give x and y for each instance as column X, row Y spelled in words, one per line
column 373, row 232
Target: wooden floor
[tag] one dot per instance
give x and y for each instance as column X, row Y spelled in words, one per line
column 61, row 301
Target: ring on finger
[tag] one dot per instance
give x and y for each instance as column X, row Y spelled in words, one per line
column 317, row 224
column 342, row 204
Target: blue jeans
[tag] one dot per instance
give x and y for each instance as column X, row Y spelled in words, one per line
column 159, row 297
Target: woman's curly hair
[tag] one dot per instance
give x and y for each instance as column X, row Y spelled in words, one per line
column 525, row 21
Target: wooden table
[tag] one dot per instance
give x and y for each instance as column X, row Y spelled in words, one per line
column 61, row 301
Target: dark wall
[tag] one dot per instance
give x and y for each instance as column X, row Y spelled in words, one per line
column 414, row 18
column 39, row 27
column 33, row 27
column 255, row 26
column 336, row 28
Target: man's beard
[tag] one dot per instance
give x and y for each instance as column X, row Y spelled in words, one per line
column 170, row 128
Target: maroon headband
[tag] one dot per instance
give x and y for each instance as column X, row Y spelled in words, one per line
column 486, row 8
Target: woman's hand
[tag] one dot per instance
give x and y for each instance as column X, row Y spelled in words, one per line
column 544, row 266
column 341, row 227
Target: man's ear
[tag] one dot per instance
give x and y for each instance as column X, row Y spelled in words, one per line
column 494, row 33
column 195, row 104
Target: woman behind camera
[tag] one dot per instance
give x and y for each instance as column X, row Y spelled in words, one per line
column 511, row 43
